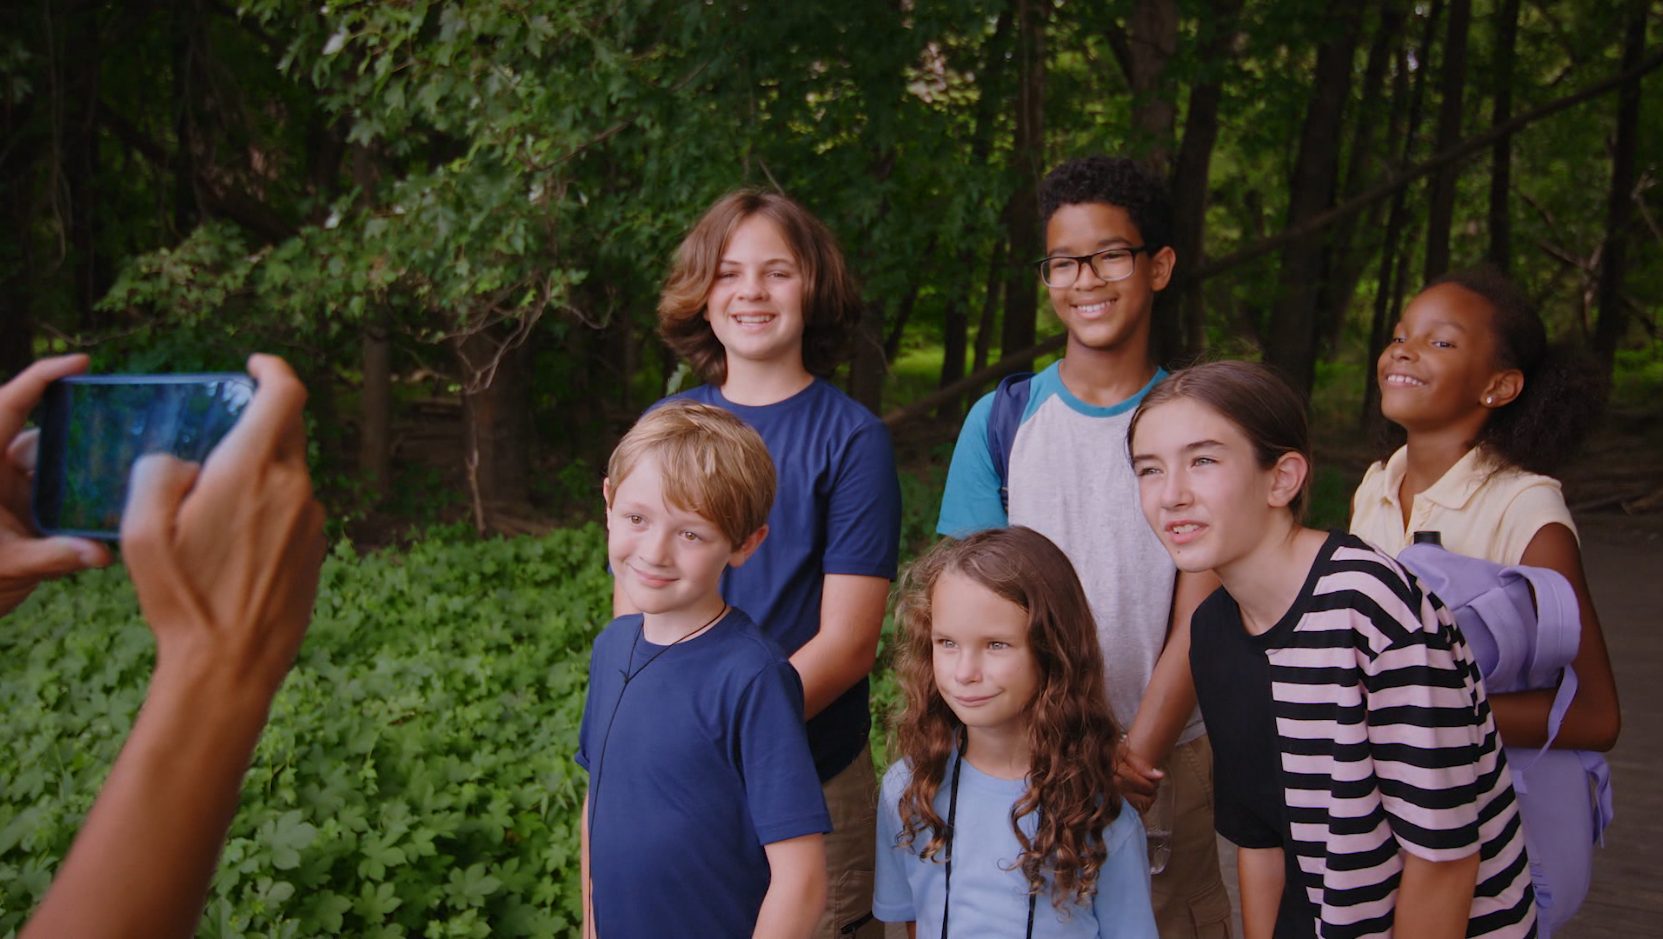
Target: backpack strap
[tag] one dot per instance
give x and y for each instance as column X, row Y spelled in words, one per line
column 1010, row 399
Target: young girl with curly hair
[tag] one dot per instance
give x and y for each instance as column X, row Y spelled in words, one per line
column 1488, row 406
column 1000, row 816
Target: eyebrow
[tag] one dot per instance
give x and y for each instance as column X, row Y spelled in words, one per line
column 1186, row 448
column 765, row 261
column 1104, row 245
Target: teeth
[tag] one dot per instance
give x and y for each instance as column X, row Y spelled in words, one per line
column 1403, row 380
column 1091, row 308
column 753, row 319
column 1185, row 528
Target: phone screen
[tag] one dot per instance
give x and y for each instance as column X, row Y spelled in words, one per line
column 94, row 427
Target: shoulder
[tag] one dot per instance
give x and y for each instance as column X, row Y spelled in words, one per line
column 617, row 634
column 745, row 647
column 1387, row 599
column 895, row 781
column 1125, row 832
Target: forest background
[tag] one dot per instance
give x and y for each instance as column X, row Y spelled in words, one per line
column 454, row 219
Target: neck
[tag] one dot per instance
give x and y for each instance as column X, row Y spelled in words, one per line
column 1266, row 581
column 673, row 626
column 1430, row 453
column 761, row 383
column 1106, row 377
column 999, row 751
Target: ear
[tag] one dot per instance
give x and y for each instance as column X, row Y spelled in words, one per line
column 1503, row 388
column 743, row 551
column 1161, row 265
column 606, row 496
column 1287, row 478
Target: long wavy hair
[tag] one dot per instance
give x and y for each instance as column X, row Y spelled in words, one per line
column 1071, row 734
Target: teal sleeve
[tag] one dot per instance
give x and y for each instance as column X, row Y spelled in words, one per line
column 971, row 501
column 1122, row 906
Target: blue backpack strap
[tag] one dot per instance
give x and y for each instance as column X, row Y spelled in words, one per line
column 1010, row 399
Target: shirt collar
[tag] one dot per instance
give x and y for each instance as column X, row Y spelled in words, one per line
column 1453, row 490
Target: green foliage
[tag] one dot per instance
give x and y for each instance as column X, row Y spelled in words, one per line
column 417, row 774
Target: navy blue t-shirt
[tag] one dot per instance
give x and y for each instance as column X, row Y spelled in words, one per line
column 696, row 760
column 838, row 511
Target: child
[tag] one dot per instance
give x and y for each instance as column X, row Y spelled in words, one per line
column 1358, row 768
column 1004, row 788
column 760, row 302
column 1486, row 406
column 1055, row 452
column 704, row 816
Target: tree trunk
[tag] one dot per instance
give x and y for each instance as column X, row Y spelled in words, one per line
column 1291, row 339
column 1613, row 313
column 1150, row 41
column 79, row 143
column 496, row 430
column 1183, row 337
column 1393, row 256
column 1346, row 261
column 375, row 434
column 996, row 262
column 183, row 48
column 1028, row 164
column 1452, row 79
column 1501, row 155
column 867, row 365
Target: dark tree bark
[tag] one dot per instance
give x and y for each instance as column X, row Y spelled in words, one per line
column 496, row 426
column 183, row 47
column 1028, row 166
column 997, row 260
column 1291, row 339
column 1346, row 261
column 867, row 365
column 1183, row 337
column 956, row 315
column 1452, row 80
column 1613, row 313
column 79, row 155
column 1500, row 253
column 1143, row 49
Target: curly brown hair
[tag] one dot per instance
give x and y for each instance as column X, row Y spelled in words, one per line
column 831, row 297
column 1071, row 734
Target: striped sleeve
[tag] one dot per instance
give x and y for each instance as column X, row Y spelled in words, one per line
column 1427, row 733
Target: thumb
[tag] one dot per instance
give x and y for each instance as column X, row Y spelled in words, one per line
column 154, row 492
column 41, row 558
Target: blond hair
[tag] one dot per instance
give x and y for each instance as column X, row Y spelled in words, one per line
column 712, row 463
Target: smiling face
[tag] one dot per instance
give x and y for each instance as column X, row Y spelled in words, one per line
column 1441, row 362
column 669, row 560
column 1202, row 487
column 984, row 665
column 1099, row 314
column 755, row 306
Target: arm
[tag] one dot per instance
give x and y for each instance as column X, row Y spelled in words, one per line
column 1167, row 702
column 588, row 931
column 796, row 888
column 1594, row 718
column 1260, row 875
column 1434, row 898
column 225, row 563
column 843, row 651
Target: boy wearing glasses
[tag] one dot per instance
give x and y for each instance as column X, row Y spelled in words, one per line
column 1047, row 451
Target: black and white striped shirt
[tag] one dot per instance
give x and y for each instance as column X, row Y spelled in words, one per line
column 1386, row 745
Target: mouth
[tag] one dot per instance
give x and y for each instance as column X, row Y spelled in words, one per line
column 1183, row 532
column 651, row 580
column 1400, row 380
column 1093, row 309
column 970, row 702
column 754, row 319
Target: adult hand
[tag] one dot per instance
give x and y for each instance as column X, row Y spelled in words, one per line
column 225, row 559
column 26, row 559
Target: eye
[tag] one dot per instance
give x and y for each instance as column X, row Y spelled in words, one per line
column 1397, row 340
column 945, row 643
column 998, row 645
column 633, row 518
column 691, row 536
column 1114, row 254
column 1203, row 461
column 726, row 275
column 1442, row 344
column 1148, row 471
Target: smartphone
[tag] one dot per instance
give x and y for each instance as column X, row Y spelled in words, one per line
column 94, row 427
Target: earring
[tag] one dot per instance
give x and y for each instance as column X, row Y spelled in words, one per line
column 1488, row 400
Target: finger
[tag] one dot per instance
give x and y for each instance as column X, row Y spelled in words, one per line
column 20, row 395
column 23, row 450
column 42, row 558
column 157, row 486
column 270, row 429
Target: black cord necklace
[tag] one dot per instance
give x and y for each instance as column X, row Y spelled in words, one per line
column 629, row 676
column 952, row 815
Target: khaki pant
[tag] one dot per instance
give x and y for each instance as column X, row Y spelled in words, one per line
column 852, row 800
column 1189, row 896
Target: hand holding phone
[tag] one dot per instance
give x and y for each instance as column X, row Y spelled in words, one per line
column 25, row 558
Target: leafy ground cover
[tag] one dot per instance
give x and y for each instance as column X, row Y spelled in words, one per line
column 417, row 775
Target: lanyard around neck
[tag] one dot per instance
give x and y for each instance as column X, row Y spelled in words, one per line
column 952, row 816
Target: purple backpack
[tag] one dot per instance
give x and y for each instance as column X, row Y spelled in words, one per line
column 1523, row 626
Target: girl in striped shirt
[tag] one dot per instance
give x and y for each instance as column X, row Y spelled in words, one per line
column 1357, row 765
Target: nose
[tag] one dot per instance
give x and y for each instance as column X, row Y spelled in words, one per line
column 967, row 670
column 654, row 546
column 1085, row 272
column 1175, row 489
column 751, row 284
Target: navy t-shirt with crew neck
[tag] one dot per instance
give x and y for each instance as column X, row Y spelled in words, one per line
column 697, row 759
column 838, row 511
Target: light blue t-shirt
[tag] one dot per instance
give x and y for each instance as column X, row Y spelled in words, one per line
column 990, row 897
column 1070, row 480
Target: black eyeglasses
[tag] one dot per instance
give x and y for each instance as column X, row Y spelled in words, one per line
column 1109, row 264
